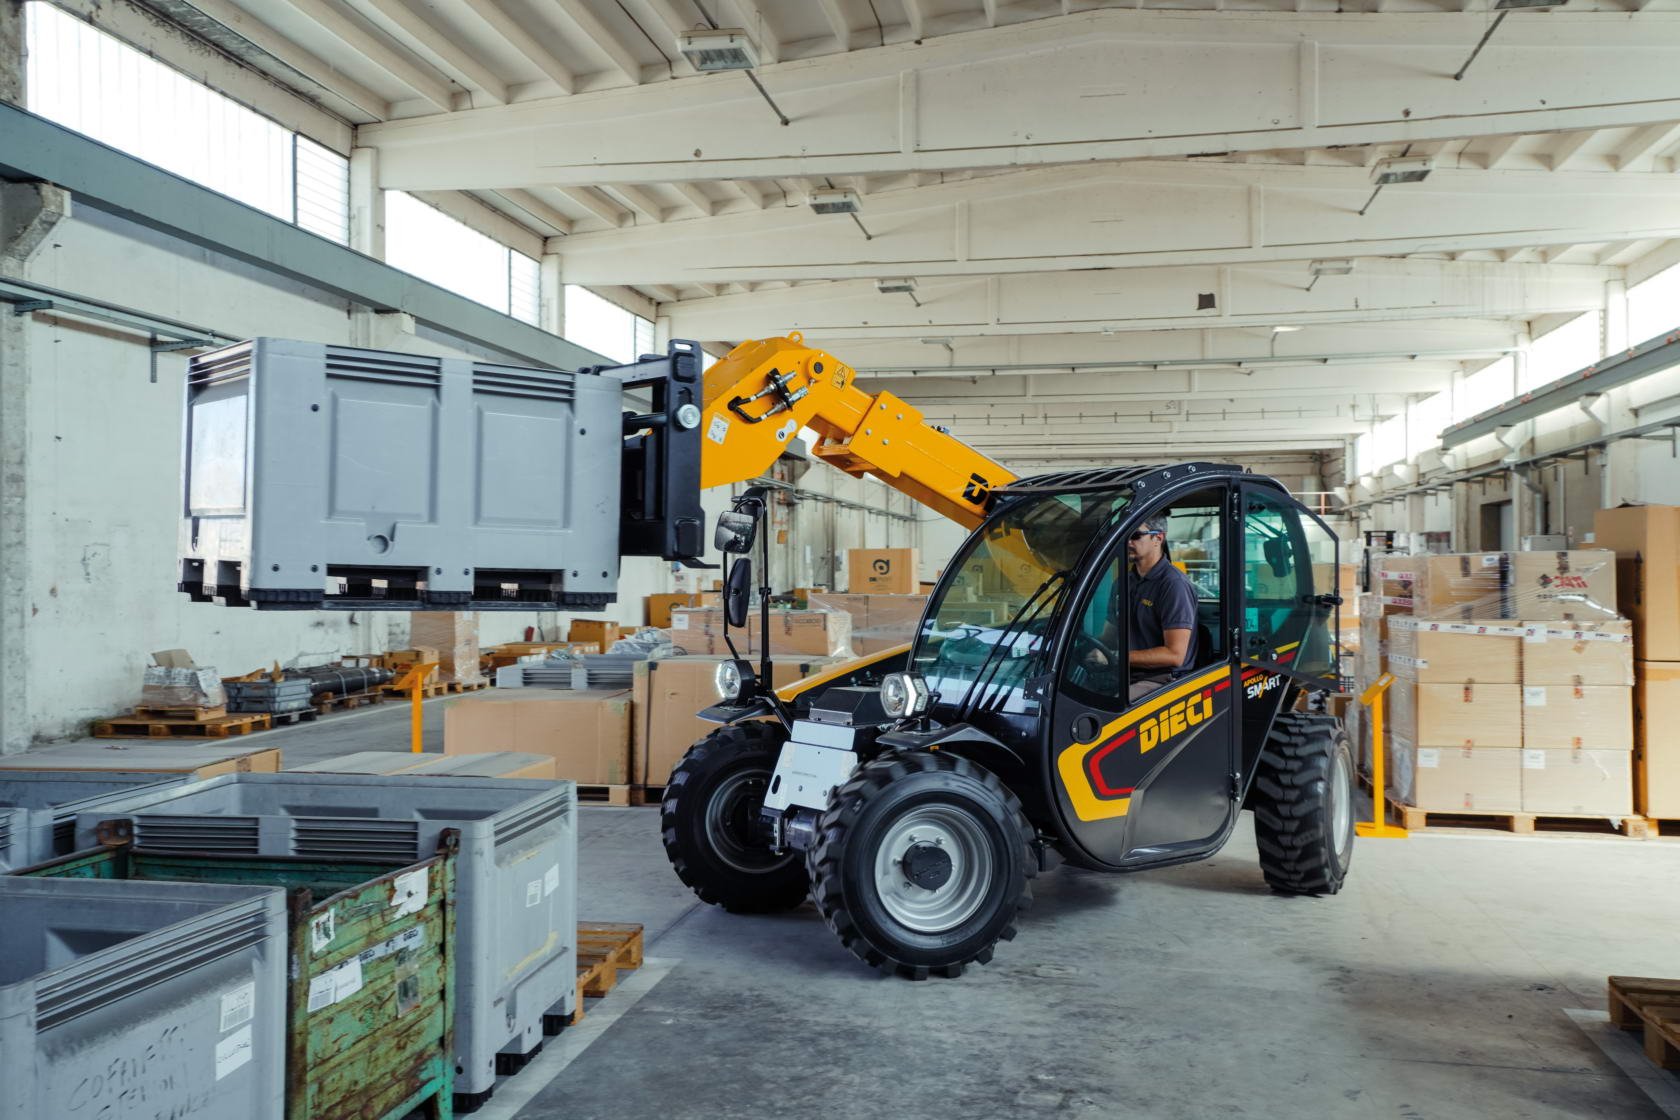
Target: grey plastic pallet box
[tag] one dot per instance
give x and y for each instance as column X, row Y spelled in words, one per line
column 516, row 875
column 333, row 477
column 38, row 808
column 141, row 999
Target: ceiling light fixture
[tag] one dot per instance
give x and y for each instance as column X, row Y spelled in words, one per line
column 1505, row 8
column 1327, row 268
column 904, row 285
column 1400, row 169
column 711, row 49
column 834, row 200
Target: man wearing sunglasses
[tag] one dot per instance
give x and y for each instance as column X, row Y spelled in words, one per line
column 1161, row 624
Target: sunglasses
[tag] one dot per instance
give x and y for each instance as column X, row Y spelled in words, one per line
column 1141, row 533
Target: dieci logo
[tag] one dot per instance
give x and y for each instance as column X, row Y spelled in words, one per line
column 1186, row 713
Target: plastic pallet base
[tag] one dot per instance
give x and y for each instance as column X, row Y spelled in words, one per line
column 509, row 1064
column 471, row 1102
column 554, row 1024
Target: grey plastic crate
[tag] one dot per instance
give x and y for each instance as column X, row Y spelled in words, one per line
column 141, row 999
column 516, row 875
column 38, row 808
column 440, row 483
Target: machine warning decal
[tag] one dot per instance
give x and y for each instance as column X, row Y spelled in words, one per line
column 1164, row 717
column 718, row 430
column 976, row 489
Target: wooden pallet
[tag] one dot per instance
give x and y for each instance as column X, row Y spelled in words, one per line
column 647, row 795
column 1663, row 826
column 1413, row 819
column 282, row 719
column 458, row 686
column 621, row 796
column 603, row 949
column 125, row 727
column 144, row 712
column 1639, row 1004
column 427, row 691
column 332, row 702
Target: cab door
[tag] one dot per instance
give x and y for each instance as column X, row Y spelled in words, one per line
column 1146, row 782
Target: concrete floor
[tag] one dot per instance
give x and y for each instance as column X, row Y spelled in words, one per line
column 1435, row 985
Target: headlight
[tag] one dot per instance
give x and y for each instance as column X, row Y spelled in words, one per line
column 904, row 694
column 728, row 679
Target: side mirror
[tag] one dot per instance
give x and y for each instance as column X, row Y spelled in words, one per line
column 737, row 592
column 1277, row 555
column 735, row 532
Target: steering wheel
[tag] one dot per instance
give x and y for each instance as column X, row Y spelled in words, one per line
column 1097, row 678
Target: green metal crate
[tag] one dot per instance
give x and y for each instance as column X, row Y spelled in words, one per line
column 369, row 1023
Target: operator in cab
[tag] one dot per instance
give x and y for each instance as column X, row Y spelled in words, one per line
column 1161, row 621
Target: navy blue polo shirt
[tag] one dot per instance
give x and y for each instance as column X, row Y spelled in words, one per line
column 1162, row 600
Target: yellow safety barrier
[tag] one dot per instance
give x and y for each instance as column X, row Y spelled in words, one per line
column 1378, row 825
column 415, row 682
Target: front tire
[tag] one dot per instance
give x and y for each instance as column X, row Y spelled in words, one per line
column 1303, row 802
column 709, row 823
column 922, row 864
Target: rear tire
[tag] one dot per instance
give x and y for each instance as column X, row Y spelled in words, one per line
column 946, row 822
column 1303, row 801
column 709, row 823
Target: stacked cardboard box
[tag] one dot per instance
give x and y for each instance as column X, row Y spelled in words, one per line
column 805, row 633
column 587, row 734
column 593, row 635
column 659, row 607
column 1578, row 717
column 1646, row 540
column 881, row 571
column 878, row 621
column 454, row 634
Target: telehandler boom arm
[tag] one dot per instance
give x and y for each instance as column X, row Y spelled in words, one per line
column 758, row 397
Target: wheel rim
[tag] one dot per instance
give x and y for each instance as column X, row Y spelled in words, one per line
column 730, row 815
column 966, row 867
column 1341, row 803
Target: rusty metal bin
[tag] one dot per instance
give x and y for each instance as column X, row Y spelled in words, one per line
column 370, row 1003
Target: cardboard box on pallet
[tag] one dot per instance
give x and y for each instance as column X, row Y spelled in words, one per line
column 454, row 634
column 659, row 606
column 1457, row 715
column 1432, row 651
column 1656, row 708
column 1577, row 717
column 586, row 733
column 1596, row 782
column 881, row 571
column 198, row 759
column 598, row 633
column 878, row 621
column 669, row 693
column 803, row 633
column 1646, row 541
column 1579, row 585
column 175, row 681
column 1598, row 652
column 1459, row 586
column 1456, row 779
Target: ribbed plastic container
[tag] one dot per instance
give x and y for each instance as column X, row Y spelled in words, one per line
column 516, row 875
column 38, row 808
column 141, row 1000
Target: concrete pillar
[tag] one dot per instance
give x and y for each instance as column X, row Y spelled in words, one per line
column 28, row 213
column 367, row 203
column 551, row 302
column 11, row 51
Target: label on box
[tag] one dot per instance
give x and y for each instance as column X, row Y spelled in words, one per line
column 551, row 880
column 408, row 892
column 1576, row 635
column 1397, row 600
column 679, row 622
column 718, row 430
column 237, row 1005
column 411, row 938
column 1534, row 760
column 533, row 892
column 320, row 931
column 1534, row 634
column 1409, row 662
column 1428, row 758
column 336, row 984
column 234, row 1051
column 1534, row 696
column 1490, row 560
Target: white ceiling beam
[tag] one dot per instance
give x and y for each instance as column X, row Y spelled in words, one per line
column 638, row 200
column 467, row 67
column 538, row 209
column 990, row 8
column 835, row 12
column 398, row 64
column 1196, row 386
column 1569, row 147
column 1135, row 215
column 602, row 36
column 521, row 40
column 1648, row 141
column 596, row 203
column 916, row 17
column 1264, row 81
column 696, row 197
column 763, row 35
column 661, row 292
column 747, row 190
column 1379, row 290
column 323, row 74
column 1499, row 149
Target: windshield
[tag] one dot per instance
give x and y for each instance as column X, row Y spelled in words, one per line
column 987, row 634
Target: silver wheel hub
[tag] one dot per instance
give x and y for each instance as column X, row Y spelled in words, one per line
column 933, row 868
column 730, row 815
column 1340, row 796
